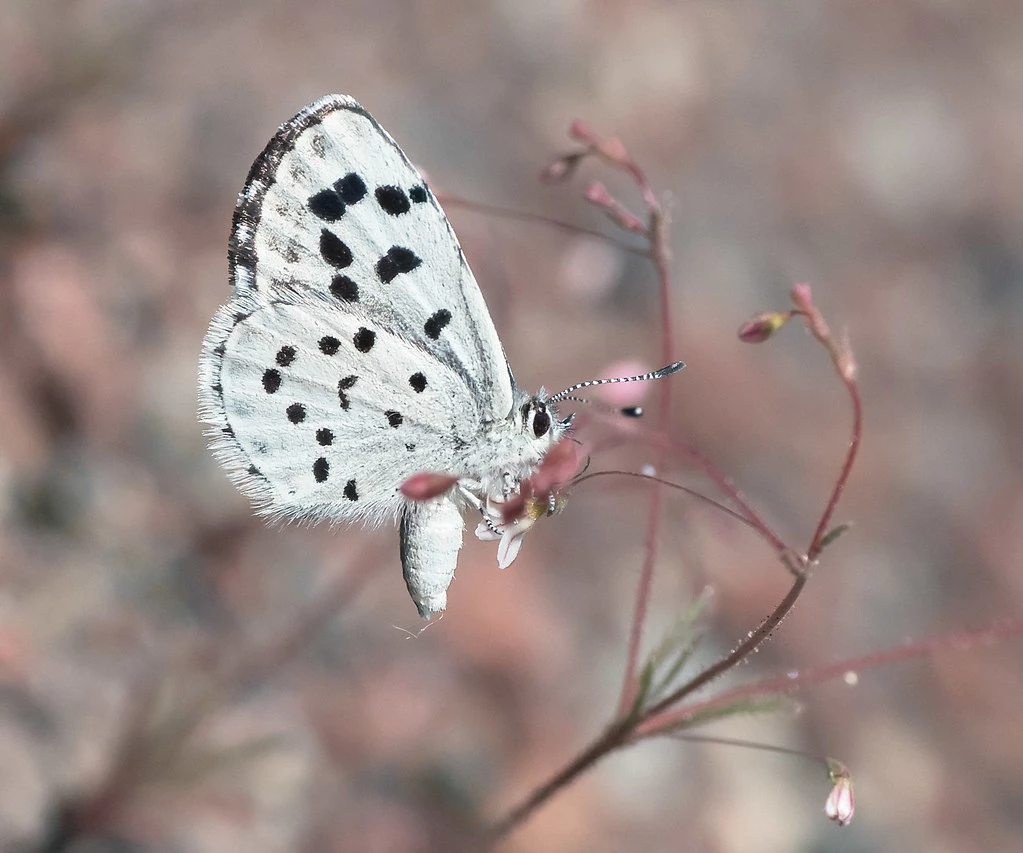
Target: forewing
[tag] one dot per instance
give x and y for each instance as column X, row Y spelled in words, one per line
column 321, row 413
column 333, row 206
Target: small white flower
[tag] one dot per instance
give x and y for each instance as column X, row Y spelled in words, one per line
column 840, row 804
column 510, row 533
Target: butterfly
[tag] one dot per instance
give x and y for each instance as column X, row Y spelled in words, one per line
column 356, row 351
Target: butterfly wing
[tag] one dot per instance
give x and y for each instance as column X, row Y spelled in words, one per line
column 335, row 231
column 356, row 349
column 333, row 205
column 323, row 414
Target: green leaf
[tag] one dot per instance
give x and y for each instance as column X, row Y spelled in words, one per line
column 832, row 535
column 646, row 678
column 763, row 705
column 679, row 643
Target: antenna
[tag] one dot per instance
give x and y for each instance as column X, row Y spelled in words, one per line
column 627, row 411
column 655, row 374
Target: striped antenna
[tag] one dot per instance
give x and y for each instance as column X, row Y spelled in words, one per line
column 655, row 374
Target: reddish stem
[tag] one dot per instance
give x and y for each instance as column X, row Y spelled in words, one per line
column 843, row 477
column 748, row 645
column 671, row 485
column 449, row 200
column 661, row 257
column 815, row 676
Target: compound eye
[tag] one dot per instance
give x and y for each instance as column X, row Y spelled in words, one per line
column 541, row 422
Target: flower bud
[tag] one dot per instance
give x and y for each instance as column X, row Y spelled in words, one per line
column 560, row 169
column 558, row 466
column 596, row 193
column 427, row 485
column 760, row 327
column 614, row 150
column 581, row 131
column 802, row 297
column 840, row 805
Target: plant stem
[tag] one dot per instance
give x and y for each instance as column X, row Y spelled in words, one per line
column 613, row 737
column 660, row 254
column 843, row 477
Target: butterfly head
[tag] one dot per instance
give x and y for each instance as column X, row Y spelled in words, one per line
column 539, row 417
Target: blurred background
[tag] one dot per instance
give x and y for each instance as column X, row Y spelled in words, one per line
column 177, row 676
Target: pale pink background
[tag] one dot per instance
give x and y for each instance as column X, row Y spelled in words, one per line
column 874, row 150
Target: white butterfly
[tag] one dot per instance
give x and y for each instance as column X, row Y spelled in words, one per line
column 356, row 349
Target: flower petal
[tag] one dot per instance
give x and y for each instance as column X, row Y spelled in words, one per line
column 508, row 550
column 485, row 532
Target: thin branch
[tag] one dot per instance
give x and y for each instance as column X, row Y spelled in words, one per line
column 612, row 738
column 634, row 721
column 660, row 254
column 815, row 676
column 450, row 200
column 654, row 716
column 629, row 727
column 845, row 366
column 843, row 477
column 671, row 485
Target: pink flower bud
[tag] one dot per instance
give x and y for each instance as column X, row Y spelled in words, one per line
column 760, row 327
column 427, row 485
column 596, row 193
column 840, row 804
column 560, row 169
column 802, row 297
column 581, row 131
column 614, row 149
column 558, row 466
column 628, row 221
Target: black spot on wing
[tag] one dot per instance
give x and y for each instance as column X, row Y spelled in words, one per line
column 393, row 200
column 344, row 289
column 343, row 386
column 417, row 194
column 364, row 339
column 393, row 418
column 329, row 345
column 327, row 205
column 435, row 325
column 334, row 250
column 398, row 260
column 418, row 382
column 324, row 437
column 296, row 413
column 321, row 470
column 285, row 356
column 351, row 188
column 242, row 254
column 350, row 491
column 271, row 380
